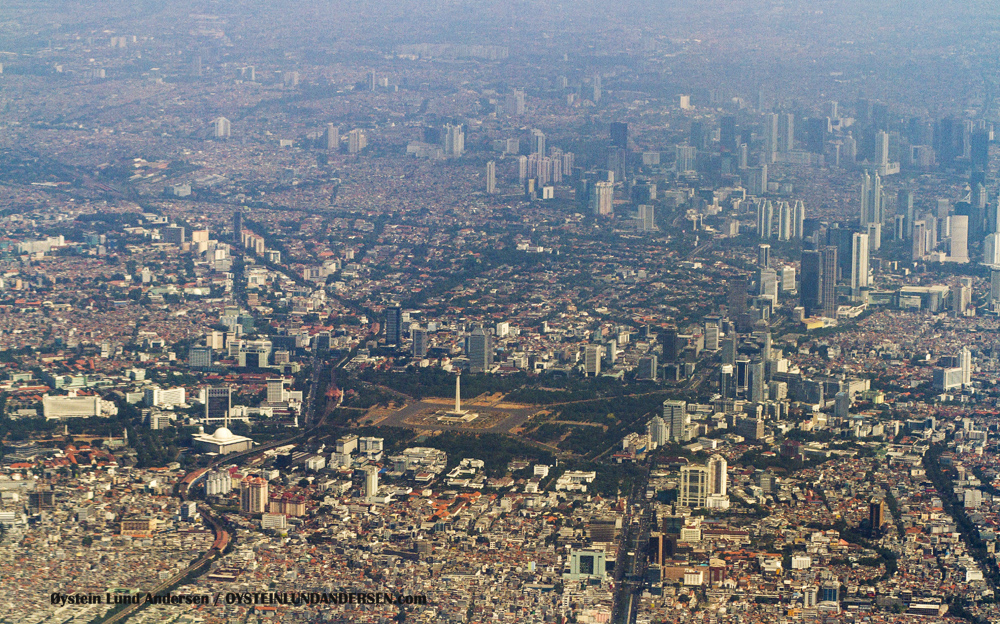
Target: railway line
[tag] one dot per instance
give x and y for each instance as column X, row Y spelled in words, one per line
column 222, row 536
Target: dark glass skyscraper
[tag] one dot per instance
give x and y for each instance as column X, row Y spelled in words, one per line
column 810, row 292
column 394, row 325
column 619, row 134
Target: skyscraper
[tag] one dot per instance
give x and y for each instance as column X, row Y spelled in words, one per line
column 919, row 241
column 829, row 274
column 238, row 228
column 959, row 239
column 222, row 128
column 419, row 342
column 658, row 431
column 763, row 255
column 592, row 360
column 871, row 199
column 491, row 177
column 602, row 198
column 718, row 476
column 765, row 218
column 619, row 134
column 786, row 132
column 784, row 221
column 798, row 220
column 371, row 482
column 726, row 386
column 356, row 141
column 966, row 363
column 394, row 325
column 217, row 402
column 771, row 139
column 480, row 355
column 859, row 263
column 537, row 142
column 514, row 102
column 810, row 291
column 253, row 495
column 991, row 249
column 332, row 137
column 646, row 218
column 454, row 140
column 694, row 486
column 675, row 416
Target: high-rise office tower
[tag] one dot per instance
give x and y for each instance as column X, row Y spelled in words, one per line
column 480, row 354
column 757, row 384
column 675, row 415
column 764, row 255
column 798, row 220
column 491, row 177
column 726, row 387
column 659, row 432
column 727, row 132
column 522, row 169
column 454, row 140
column 756, row 180
column 595, row 89
column 742, row 374
column 995, row 287
column 919, row 241
column 876, row 516
column 767, row 284
column 871, row 199
column 712, row 332
column 882, row 150
column 394, row 325
column 718, row 475
column 829, row 274
column 859, row 263
column 687, row 158
column 619, row 134
column 786, row 132
column 979, row 149
column 332, row 137
column 811, row 291
column 965, row 361
column 222, row 128
column 694, row 486
column 729, row 350
column 738, row 296
column 959, row 238
column 537, row 142
column 646, row 218
column 991, row 249
column 787, row 279
column 419, row 342
column 238, row 228
column 648, row 367
column 217, row 402
column 356, row 141
column 904, row 206
column 592, row 360
column 771, row 138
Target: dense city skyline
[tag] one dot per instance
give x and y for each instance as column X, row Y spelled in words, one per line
column 450, row 311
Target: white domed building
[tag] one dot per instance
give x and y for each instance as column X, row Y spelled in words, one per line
column 222, row 442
